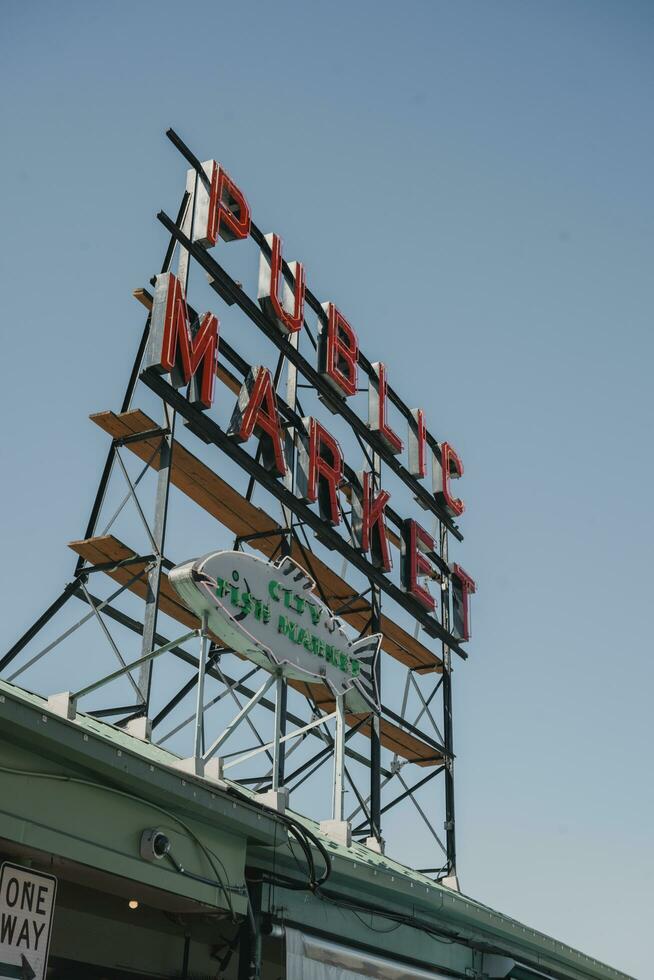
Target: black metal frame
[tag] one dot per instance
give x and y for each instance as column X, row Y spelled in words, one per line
column 303, row 517
column 211, row 433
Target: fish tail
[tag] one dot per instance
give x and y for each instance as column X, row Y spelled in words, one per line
column 365, row 651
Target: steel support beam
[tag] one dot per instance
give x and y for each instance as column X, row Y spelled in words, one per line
column 280, row 731
column 236, row 721
column 192, row 661
column 448, row 731
column 375, row 723
column 402, row 796
column 129, row 394
column 198, row 737
column 154, row 576
column 338, row 806
column 35, row 628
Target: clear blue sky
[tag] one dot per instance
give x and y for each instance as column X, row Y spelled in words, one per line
column 472, row 183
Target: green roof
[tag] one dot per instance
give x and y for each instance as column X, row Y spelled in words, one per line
column 356, row 867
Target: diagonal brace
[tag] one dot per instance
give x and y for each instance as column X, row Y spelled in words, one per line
column 243, row 713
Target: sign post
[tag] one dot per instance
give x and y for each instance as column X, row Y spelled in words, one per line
column 338, row 812
column 27, row 900
column 338, row 828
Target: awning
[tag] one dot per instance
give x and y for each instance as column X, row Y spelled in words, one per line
column 310, row 958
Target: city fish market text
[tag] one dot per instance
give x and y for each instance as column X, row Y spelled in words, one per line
column 188, row 352
column 242, row 599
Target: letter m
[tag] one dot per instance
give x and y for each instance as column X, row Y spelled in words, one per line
column 186, row 351
column 287, row 628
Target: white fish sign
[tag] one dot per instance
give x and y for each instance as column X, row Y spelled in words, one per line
column 269, row 612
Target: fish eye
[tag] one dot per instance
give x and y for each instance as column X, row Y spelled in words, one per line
column 235, row 576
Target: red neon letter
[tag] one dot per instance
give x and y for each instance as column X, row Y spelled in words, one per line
column 256, row 411
column 462, row 588
column 221, row 208
column 377, row 403
column 321, row 470
column 338, row 352
column 449, row 468
column 174, row 348
column 415, row 541
column 418, row 444
column 270, row 279
column 368, row 521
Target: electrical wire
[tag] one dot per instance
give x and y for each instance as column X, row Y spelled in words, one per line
column 297, row 830
column 440, row 935
column 304, row 837
column 57, row 777
column 300, row 833
column 191, row 874
column 291, row 848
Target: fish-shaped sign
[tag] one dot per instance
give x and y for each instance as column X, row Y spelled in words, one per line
column 269, row 612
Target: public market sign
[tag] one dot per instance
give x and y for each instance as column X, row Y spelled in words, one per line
column 270, row 614
column 297, row 451
column 27, row 900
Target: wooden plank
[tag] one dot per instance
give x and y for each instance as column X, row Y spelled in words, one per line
column 190, row 475
column 393, row 737
column 99, row 551
column 143, row 296
column 202, row 485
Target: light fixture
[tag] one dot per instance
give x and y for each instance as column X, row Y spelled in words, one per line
column 133, row 904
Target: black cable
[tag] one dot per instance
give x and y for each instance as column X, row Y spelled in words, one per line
column 191, row 874
column 305, row 838
column 324, row 853
column 294, row 856
column 440, row 935
column 60, row 777
column 304, row 844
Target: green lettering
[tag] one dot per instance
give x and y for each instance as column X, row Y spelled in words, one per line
column 318, row 646
column 315, row 611
column 235, row 593
column 287, row 627
column 308, row 641
column 356, row 668
column 299, row 602
column 287, row 597
column 343, row 661
column 266, row 613
column 330, row 654
column 273, row 590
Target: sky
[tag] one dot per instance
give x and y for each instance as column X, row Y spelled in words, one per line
column 471, row 183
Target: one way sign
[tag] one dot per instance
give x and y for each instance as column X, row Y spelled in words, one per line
column 27, row 901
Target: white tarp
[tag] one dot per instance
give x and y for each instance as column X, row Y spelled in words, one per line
column 310, row 958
